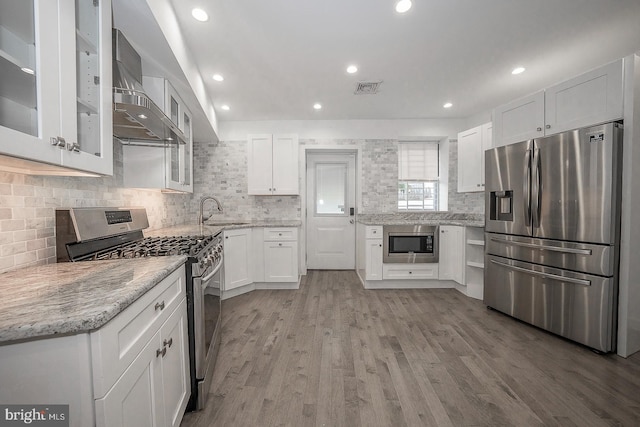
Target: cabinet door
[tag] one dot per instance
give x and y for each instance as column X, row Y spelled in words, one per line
column 29, row 80
column 469, row 162
column 487, row 143
column 281, row 261
column 373, row 259
column 519, row 120
column 186, row 153
column 136, row 399
column 451, row 262
column 594, row 97
column 259, row 165
column 285, row 164
column 237, row 253
column 85, row 85
column 175, row 366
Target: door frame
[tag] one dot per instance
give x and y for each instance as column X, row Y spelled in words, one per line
column 322, row 149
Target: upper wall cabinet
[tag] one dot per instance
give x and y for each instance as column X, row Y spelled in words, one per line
column 272, row 162
column 472, row 144
column 167, row 167
column 594, row 97
column 55, row 86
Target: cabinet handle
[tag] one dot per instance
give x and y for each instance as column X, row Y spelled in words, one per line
column 226, row 237
column 279, row 244
column 539, row 129
column 161, row 352
column 74, row 147
column 548, row 126
column 411, row 272
column 167, row 343
column 274, row 189
column 380, row 245
column 159, row 305
column 58, row 141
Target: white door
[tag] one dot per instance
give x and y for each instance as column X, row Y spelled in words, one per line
column 331, row 230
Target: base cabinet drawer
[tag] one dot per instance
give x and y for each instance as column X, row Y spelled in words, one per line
column 154, row 389
column 117, row 344
column 410, row 271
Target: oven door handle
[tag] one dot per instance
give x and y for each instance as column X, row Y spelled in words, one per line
column 213, row 273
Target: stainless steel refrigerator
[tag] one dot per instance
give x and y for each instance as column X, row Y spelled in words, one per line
column 552, row 208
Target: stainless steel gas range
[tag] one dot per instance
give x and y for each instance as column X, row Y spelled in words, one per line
column 91, row 234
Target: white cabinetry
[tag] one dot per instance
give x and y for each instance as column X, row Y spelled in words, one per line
column 472, row 144
column 153, row 388
column 280, row 254
column 55, row 87
column 373, row 253
column 134, row 371
column 237, row 254
column 474, row 260
column 451, row 257
column 272, row 162
column 410, row 271
column 591, row 98
column 164, row 167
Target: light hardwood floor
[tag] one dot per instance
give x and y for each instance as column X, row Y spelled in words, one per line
column 335, row 354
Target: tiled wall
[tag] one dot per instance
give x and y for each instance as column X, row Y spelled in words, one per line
column 27, row 206
column 220, row 170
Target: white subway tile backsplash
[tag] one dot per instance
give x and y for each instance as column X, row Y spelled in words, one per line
column 28, row 205
column 12, row 225
column 13, row 249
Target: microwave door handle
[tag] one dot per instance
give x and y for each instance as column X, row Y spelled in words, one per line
column 527, row 188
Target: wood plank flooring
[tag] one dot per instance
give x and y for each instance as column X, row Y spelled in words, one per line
column 335, row 354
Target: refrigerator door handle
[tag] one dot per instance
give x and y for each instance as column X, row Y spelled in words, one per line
column 527, row 188
column 545, row 247
column 535, row 189
column 545, row 275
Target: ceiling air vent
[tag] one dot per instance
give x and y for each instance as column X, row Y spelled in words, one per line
column 367, row 88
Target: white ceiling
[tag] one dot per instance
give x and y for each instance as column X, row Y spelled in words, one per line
column 279, row 57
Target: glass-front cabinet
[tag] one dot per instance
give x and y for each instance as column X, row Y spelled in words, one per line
column 55, row 86
column 179, row 157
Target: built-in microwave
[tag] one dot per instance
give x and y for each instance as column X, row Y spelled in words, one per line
column 410, row 244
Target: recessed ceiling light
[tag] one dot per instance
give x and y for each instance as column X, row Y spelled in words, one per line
column 403, row 5
column 448, row 105
column 218, row 77
column 27, row 70
column 518, row 70
column 142, row 116
column 200, row 15
column 317, row 106
column 225, row 107
column 352, row 69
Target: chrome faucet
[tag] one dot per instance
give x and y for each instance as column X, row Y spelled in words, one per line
column 201, row 217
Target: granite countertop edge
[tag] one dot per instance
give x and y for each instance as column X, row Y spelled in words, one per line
column 472, row 220
column 64, row 304
column 211, row 228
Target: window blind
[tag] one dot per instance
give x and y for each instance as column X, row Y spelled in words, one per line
column 418, row 161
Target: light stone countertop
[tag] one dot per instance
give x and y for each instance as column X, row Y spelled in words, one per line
column 423, row 218
column 74, row 297
column 213, row 227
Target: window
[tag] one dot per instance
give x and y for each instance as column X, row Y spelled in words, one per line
column 418, row 176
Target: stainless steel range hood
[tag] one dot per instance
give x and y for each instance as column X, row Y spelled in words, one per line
column 136, row 118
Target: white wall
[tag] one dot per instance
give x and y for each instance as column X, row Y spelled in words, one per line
column 345, row 129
